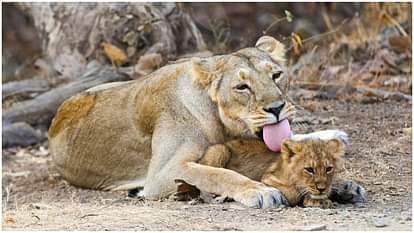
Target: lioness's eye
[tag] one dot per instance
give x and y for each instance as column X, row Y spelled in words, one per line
column 329, row 169
column 242, row 87
column 276, row 75
column 309, row 170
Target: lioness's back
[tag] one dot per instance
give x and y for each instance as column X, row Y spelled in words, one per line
column 72, row 136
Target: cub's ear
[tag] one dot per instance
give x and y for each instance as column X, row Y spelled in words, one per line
column 336, row 146
column 289, row 149
column 272, row 46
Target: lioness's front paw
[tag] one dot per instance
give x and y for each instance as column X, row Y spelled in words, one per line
column 319, row 203
column 323, row 135
column 348, row 192
column 261, row 197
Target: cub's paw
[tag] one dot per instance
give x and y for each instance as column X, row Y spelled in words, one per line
column 261, row 197
column 317, row 203
column 348, row 192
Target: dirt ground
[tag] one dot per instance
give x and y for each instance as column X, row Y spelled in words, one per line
column 379, row 158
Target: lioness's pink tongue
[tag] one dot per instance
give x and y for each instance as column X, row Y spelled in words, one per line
column 274, row 134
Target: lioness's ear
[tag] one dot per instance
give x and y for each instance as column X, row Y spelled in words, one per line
column 289, row 149
column 205, row 71
column 336, row 146
column 207, row 74
column 272, row 46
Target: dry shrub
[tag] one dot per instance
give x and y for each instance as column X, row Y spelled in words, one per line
column 370, row 50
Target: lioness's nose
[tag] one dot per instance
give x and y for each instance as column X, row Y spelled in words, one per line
column 275, row 110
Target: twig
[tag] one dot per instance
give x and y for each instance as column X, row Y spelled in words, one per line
column 7, row 197
column 273, row 24
column 89, row 215
column 395, row 23
column 323, row 34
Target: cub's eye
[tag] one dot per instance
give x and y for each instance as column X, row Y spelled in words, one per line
column 242, row 87
column 309, row 170
column 276, row 75
column 329, row 169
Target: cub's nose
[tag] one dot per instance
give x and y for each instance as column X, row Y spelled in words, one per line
column 275, row 110
column 320, row 187
column 321, row 190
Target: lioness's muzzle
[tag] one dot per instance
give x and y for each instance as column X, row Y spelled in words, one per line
column 276, row 110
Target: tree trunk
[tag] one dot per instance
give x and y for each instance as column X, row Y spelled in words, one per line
column 73, row 35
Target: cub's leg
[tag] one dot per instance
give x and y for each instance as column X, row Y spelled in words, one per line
column 347, row 192
column 177, row 160
column 216, row 156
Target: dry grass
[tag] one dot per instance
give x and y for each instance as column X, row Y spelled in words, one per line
column 371, row 50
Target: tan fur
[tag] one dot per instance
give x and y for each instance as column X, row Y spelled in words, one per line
column 152, row 131
column 71, row 112
column 285, row 170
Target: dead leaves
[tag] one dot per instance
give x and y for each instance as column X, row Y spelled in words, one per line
column 289, row 16
column 115, row 54
column 9, row 220
column 185, row 191
column 296, row 43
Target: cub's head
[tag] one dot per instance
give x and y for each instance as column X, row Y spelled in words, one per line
column 248, row 86
column 312, row 164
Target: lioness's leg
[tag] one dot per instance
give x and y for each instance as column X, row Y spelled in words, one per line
column 181, row 164
column 323, row 135
column 232, row 184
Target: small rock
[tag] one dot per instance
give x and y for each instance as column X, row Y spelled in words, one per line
column 333, row 212
column 407, row 131
column 41, row 152
column 379, row 223
column 17, row 174
column 194, row 201
column 237, row 207
column 40, row 206
column 279, row 209
column 321, row 227
column 342, row 225
column 330, row 120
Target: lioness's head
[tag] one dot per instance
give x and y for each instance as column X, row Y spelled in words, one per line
column 249, row 86
column 312, row 164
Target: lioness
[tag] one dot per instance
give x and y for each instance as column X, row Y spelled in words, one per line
column 149, row 132
column 303, row 171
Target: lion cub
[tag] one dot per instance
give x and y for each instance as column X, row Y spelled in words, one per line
column 302, row 171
